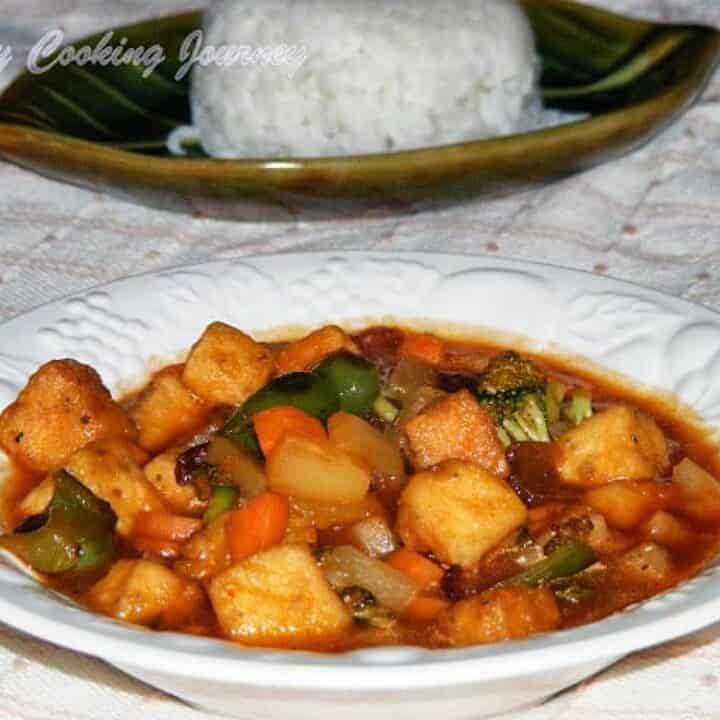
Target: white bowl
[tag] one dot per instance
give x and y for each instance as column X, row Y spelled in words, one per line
column 123, row 328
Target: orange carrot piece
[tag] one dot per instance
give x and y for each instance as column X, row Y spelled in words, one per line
column 154, row 546
column 425, row 573
column 258, row 525
column 166, row 526
column 427, row 348
column 272, row 424
column 425, row 609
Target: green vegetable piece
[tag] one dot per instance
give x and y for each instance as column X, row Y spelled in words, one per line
column 554, row 395
column 355, row 380
column 385, row 410
column 240, row 430
column 222, row 500
column 570, row 558
column 308, row 392
column 579, row 407
column 75, row 534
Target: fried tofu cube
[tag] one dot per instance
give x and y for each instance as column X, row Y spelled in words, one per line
column 145, row 592
column 307, row 352
column 63, row 407
column 278, row 598
column 166, row 410
column 619, row 443
column 111, row 470
column 160, row 473
column 458, row 511
column 497, row 615
column 226, row 366
column 207, row 552
column 456, row 428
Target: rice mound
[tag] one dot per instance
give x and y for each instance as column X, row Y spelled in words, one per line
column 378, row 76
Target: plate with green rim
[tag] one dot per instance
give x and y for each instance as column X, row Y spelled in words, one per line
column 106, row 128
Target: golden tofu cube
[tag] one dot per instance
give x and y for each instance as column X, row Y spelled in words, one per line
column 278, row 598
column 497, row 615
column 307, row 352
column 456, row 428
column 144, row 592
column 226, row 366
column 111, row 470
column 207, row 552
column 619, row 443
column 166, row 410
column 458, row 511
column 63, row 407
column 160, row 473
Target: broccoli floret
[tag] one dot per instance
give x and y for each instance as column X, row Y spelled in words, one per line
column 509, row 372
column 512, row 391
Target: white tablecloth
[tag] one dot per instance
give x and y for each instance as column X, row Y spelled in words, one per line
column 653, row 218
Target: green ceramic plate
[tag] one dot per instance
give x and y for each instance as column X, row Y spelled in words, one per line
column 105, row 127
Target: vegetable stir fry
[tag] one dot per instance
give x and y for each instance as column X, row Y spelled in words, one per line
column 341, row 491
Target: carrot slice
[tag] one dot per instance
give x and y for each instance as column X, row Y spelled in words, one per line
column 166, row 526
column 425, row 609
column 427, row 348
column 272, row 424
column 153, row 546
column 425, row 573
column 258, row 525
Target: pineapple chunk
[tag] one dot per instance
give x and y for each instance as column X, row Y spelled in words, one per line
column 456, row 428
column 111, row 470
column 63, row 407
column 166, row 410
column 619, row 443
column 458, row 511
column 144, row 592
column 497, row 615
column 278, row 598
column 226, row 366
column 307, row 352
column 160, row 473
column 627, row 504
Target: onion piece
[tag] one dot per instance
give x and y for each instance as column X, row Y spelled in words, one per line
column 235, row 466
column 373, row 536
column 345, row 566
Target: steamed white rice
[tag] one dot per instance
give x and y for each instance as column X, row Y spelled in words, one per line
column 378, row 76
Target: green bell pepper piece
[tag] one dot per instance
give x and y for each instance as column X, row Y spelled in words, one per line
column 74, row 534
column 570, row 558
column 355, row 380
column 222, row 500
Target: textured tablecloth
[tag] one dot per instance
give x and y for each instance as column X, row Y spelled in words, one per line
column 653, row 218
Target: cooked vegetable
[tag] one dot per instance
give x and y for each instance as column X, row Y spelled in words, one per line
column 365, row 609
column 303, row 354
column 271, row 424
column 385, row 410
column 579, row 407
column 166, row 549
column 258, row 525
column 358, row 438
column 165, row 526
column 346, row 567
column 231, row 465
column 355, row 381
column 307, row 392
column 373, row 536
column 423, row 572
column 316, row 471
column 222, row 500
column 427, row 348
column 74, row 534
column 570, row 558
column 425, row 609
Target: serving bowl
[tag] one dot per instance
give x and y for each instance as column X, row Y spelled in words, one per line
column 106, row 128
column 128, row 327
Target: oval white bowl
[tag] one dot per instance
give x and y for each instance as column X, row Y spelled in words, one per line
column 125, row 327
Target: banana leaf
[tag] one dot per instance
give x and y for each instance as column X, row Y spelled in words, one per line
column 106, row 127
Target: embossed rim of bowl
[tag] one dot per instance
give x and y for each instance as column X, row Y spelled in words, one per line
column 450, row 288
